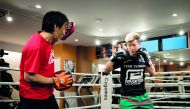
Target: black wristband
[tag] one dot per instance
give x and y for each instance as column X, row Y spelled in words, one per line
column 105, row 73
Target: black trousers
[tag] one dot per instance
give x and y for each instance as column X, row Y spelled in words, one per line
column 49, row 103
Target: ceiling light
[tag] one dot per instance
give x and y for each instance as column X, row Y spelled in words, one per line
column 114, row 42
column 100, row 29
column 143, row 37
column 181, row 32
column 181, row 59
column 97, row 42
column 164, row 61
column 181, row 63
column 157, row 59
column 76, row 40
column 9, row 18
column 38, row 6
column 174, row 15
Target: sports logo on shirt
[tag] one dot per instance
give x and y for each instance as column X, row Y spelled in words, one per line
column 134, row 76
column 51, row 57
column 141, row 59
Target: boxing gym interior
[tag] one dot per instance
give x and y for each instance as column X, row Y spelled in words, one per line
column 99, row 31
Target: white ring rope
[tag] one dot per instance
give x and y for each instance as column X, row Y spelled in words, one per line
column 114, row 85
column 157, row 95
column 85, row 107
column 172, row 107
column 178, row 102
column 9, row 100
column 158, row 77
column 83, row 96
column 115, row 106
column 160, row 84
column 171, row 73
column 86, row 85
column 172, row 95
column 9, row 83
column 7, row 68
column 86, row 74
column 67, row 97
column 156, row 99
column 17, row 83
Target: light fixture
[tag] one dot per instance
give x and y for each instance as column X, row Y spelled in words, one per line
column 174, row 14
column 114, row 42
column 143, row 37
column 8, row 17
column 164, row 61
column 181, row 59
column 181, row 63
column 171, row 63
column 157, row 59
column 97, row 42
column 38, row 6
column 101, row 29
column 181, row 32
column 76, row 40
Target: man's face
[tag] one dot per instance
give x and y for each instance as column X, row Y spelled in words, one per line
column 60, row 31
column 133, row 47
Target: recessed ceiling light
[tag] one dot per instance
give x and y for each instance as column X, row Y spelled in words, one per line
column 114, row 42
column 181, row 32
column 100, row 29
column 76, row 40
column 157, row 59
column 164, row 61
column 174, row 15
column 97, row 42
column 38, row 6
column 9, row 18
column 143, row 37
column 181, row 63
column 181, row 59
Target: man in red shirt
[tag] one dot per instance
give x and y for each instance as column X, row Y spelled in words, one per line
column 37, row 64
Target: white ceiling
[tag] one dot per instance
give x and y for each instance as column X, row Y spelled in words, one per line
column 150, row 17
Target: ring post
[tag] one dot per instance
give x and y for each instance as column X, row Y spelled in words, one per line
column 106, row 91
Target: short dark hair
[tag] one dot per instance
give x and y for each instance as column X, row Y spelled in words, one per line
column 53, row 18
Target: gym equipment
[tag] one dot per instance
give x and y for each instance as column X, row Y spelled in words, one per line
column 86, row 79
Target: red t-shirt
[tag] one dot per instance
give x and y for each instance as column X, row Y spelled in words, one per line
column 37, row 57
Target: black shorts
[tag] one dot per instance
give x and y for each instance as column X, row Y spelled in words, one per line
column 49, row 103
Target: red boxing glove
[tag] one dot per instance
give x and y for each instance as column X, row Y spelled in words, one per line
column 69, row 31
column 62, row 80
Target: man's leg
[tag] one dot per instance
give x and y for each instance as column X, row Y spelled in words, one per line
column 26, row 103
column 52, row 103
column 145, row 102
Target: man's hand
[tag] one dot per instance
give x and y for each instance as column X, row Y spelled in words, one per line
column 144, row 53
column 62, row 80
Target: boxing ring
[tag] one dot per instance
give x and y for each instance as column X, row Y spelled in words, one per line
column 167, row 91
